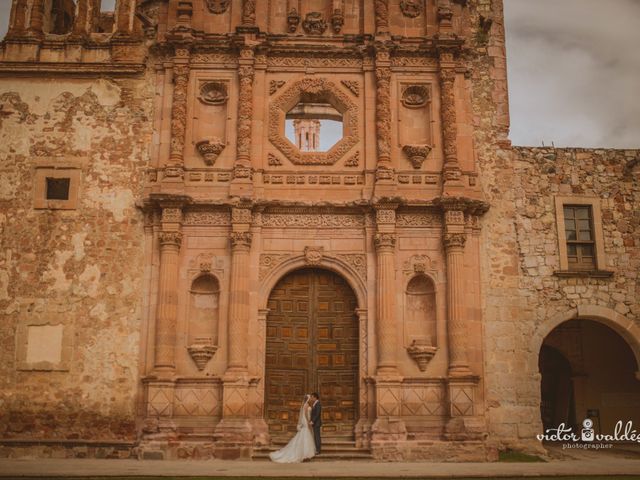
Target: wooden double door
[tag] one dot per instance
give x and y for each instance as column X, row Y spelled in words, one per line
column 312, row 346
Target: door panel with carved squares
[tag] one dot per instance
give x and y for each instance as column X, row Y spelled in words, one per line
column 312, row 345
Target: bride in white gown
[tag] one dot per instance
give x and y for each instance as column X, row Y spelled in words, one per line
column 302, row 446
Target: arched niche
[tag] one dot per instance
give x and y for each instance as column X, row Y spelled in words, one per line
column 420, row 319
column 204, row 316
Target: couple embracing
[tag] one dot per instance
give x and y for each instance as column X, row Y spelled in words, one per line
column 307, row 441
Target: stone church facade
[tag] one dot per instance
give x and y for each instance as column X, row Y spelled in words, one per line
column 176, row 272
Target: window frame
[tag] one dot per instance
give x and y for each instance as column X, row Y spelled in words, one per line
column 598, row 237
column 52, row 168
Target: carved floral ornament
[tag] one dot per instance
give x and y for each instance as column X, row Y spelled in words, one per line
column 416, row 154
column 338, row 99
column 314, row 23
column 313, row 255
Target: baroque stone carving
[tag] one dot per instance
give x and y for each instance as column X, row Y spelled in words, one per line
column 384, row 240
column 207, row 218
column 337, row 20
column 421, row 353
column 213, row 93
column 353, row 86
column 383, row 109
column 245, row 110
column 386, row 216
column 454, row 240
column 311, row 220
column 171, row 215
column 411, row 8
column 240, row 239
column 307, row 61
column 318, row 86
column 293, row 20
column 356, row 261
column 210, row 149
column 273, row 161
column 382, row 14
column 415, row 96
column 314, row 23
column 269, row 261
column 170, row 238
column 454, row 217
column 417, row 264
column 274, row 85
column 422, row 219
column 449, row 125
column 416, row 154
column 201, row 353
column 179, row 111
column 313, row 255
column 241, row 215
column 248, row 12
column 218, row 6
column 353, row 161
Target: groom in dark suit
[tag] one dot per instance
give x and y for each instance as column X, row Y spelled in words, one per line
column 316, row 420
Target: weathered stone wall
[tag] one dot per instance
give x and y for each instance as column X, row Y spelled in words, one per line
column 524, row 297
column 80, row 268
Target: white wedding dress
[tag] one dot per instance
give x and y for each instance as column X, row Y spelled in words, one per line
column 300, row 447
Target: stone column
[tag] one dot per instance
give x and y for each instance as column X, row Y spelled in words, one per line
column 242, row 167
column 248, row 13
column 18, row 25
column 36, row 23
column 174, row 169
column 167, row 310
column 451, row 168
column 234, row 434
column 124, row 13
column 81, row 23
column 382, row 16
column 386, row 328
column 384, row 169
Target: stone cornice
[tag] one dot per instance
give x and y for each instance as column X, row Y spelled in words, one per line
column 68, row 68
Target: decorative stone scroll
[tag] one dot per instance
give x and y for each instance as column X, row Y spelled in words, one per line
column 312, row 220
column 419, row 219
column 341, row 101
column 357, row 261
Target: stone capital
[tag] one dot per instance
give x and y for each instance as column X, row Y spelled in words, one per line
column 454, row 241
column 385, row 241
column 170, row 238
column 241, row 240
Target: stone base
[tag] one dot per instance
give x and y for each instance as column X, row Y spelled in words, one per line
column 234, row 439
column 65, row 449
column 388, row 430
column 440, row 451
column 175, row 450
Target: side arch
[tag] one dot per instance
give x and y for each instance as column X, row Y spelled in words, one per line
column 629, row 330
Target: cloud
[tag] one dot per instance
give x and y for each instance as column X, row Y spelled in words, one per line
column 574, row 72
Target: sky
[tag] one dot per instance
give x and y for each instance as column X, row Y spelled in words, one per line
column 573, row 71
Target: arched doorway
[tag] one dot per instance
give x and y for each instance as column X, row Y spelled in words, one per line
column 311, row 345
column 588, row 370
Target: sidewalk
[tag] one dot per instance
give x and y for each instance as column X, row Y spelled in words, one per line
column 587, row 465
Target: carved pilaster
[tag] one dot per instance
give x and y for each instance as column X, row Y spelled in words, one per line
column 18, row 25
column 383, row 114
column 386, row 331
column 246, row 73
column 248, row 13
column 179, row 106
column 124, row 16
column 382, row 16
column 451, row 168
column 167, row 310
column 36, row 22
column 81, row 23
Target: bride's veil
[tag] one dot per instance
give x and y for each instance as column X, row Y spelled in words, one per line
column 302, row 420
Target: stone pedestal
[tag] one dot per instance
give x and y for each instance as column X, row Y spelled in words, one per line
column 234, row 434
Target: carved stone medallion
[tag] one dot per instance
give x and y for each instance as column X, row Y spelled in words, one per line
column 218, row 6
column 415, row 96
column 314, row 23
column 411, row 8
column 213, row 93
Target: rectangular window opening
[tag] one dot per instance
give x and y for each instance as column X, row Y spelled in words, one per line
column 578, row 227
column 58, row 188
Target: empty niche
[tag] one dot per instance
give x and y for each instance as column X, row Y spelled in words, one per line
column 420, row 319
column 414, row 122
column 204, row 313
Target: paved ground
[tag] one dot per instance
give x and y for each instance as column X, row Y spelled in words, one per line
column 575, row 463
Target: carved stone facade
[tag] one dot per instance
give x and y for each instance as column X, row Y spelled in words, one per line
column 195, row 239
